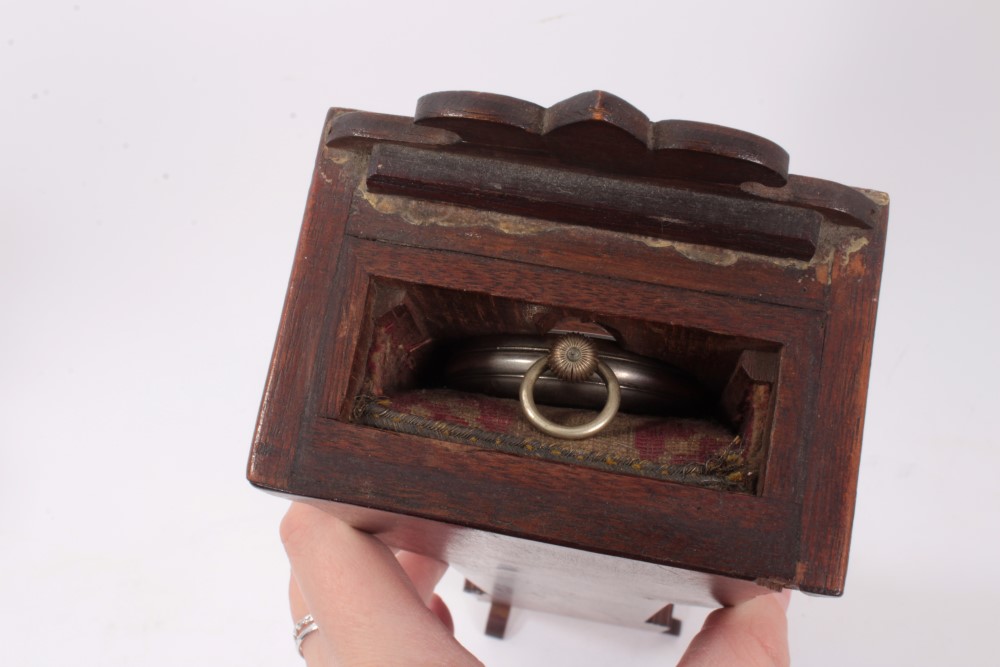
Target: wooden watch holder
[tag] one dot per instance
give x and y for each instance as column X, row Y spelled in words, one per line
column 688, row 243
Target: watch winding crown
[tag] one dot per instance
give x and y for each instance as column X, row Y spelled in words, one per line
column 573, row 358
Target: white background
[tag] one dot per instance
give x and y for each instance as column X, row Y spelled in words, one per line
column 154, row 161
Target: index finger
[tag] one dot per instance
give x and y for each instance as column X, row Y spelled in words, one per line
column 365, row 605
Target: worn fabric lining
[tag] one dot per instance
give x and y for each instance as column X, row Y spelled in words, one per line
column 691, row 451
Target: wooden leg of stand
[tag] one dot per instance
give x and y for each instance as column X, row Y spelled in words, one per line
column 496, row 624
column 665, row 619
column 472, row 588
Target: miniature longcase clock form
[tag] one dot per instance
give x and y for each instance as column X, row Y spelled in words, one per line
column 597, row 363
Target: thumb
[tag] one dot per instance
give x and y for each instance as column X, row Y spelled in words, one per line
column 751, row 634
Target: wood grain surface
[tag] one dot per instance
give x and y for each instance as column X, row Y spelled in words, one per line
column 689, row 242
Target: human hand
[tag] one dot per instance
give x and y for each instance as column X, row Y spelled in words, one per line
column 394, row 618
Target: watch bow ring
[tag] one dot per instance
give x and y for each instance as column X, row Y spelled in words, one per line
column 573, row 358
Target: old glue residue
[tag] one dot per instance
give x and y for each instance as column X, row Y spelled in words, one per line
column 834, row 241
column 421, row 213
column 850, row 248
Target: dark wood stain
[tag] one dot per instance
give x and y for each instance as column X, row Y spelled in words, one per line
column 689, row 242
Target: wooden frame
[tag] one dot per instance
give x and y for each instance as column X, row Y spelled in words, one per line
column 410, row 202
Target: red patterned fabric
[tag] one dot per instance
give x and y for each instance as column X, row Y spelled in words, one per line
column 699, row 450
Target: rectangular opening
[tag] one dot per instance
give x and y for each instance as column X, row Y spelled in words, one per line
column 712, row 432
